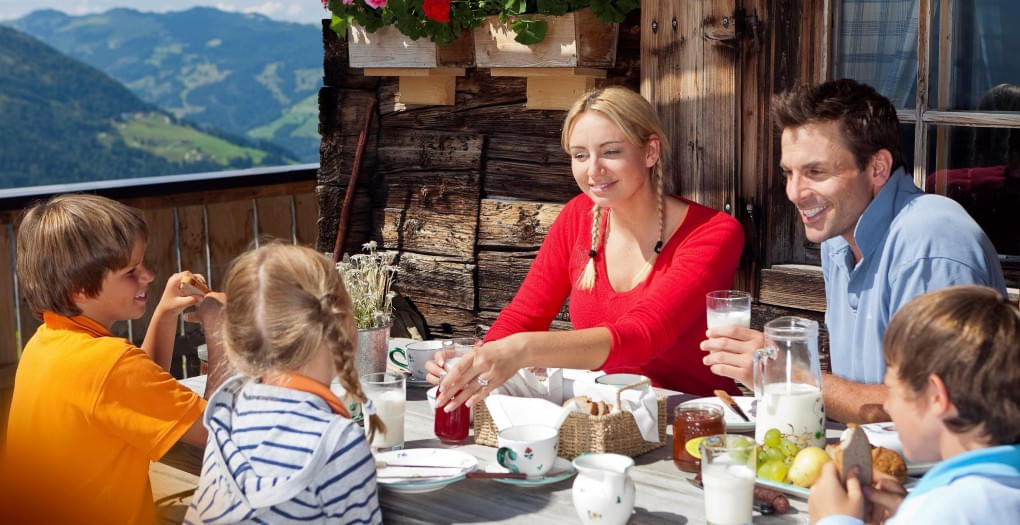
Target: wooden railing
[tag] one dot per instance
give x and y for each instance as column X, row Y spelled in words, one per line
column 197, row 222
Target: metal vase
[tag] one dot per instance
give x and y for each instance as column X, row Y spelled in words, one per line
column 373, row 346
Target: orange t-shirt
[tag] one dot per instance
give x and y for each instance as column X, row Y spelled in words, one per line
column 89, row 412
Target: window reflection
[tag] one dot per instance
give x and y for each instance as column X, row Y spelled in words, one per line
column 983, row 175
column 980, row 54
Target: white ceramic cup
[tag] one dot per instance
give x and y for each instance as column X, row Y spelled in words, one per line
column 529, row 449
column 415, row 356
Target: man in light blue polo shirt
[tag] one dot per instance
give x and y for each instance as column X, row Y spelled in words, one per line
column 884, row 241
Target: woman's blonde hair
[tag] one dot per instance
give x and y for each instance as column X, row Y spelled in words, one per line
column 284, row 303
column 638, row 121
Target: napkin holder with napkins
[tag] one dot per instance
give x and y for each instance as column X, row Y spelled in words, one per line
column 636, row 425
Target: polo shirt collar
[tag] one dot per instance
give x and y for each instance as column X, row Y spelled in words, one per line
column 78, row 323
column 1000, row 461
column 877, row 217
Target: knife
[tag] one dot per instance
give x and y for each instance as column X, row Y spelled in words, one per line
column 725, row 397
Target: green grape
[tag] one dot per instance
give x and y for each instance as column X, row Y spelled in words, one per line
column 741, row 442
column 772, row 437
column 773, row 470
column 772, row 454
column 789, row 448
column 740, row 449
column 760, row 457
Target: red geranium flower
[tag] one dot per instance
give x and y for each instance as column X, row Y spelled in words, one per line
column 438, row 10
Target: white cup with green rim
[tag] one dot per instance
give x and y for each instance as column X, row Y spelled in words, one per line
column 414, row 356
column 528, row 449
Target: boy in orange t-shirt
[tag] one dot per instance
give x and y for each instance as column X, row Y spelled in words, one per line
column 91, row 410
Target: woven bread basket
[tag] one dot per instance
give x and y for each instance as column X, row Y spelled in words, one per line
column 616, row 432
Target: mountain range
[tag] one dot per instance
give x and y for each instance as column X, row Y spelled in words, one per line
column 65, row 121
column 243, row 73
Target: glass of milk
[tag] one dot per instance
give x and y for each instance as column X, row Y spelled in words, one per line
column 728, row 307
column 388, row 392
column 727, row 473
column 788, row 382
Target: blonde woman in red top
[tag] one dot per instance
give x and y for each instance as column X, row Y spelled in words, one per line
column 634, row 260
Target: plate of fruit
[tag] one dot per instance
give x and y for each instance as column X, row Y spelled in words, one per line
column 787, row 466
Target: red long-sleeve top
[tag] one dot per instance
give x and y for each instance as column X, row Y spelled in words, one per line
column 658, row 325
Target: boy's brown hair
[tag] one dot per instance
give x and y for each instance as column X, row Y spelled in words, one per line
column 867, row 119
column 968, row 336
column 68, row 243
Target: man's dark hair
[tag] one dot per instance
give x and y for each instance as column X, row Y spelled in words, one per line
column 867, row 119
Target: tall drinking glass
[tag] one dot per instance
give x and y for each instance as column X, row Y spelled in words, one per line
column 727, row 473
column 388, row 393
column 452, row 427
column 728, row 307
column 788, row 382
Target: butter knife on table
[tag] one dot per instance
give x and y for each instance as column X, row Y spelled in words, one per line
column 725, row 397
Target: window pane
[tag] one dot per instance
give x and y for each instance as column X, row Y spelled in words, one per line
column 877, row 44
column 980, row 169
column 981, row 54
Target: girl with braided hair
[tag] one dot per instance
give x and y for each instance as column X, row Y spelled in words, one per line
column 634, row 260
column 282, row 447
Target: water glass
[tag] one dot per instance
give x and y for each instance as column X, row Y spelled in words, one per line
column 727, row 473
column 388, row 392
column 728, row 307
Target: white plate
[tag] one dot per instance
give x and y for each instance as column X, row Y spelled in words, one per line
column 561, row 470
column 414, row 480
column 785, row 488
column 734, row 423
column 885, row 435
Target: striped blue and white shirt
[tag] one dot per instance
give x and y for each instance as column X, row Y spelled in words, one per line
column 277, row 455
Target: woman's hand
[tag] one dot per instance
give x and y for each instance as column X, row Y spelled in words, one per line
column 829, row 497
column 731, row 352
column 481, row 370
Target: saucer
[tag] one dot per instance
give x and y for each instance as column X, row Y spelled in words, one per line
column 451, row 466
column 561, row 470
column 734, row 423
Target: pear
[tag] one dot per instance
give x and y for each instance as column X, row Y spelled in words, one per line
column 807, row 465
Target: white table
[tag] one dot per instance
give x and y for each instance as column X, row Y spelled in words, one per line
column 663, row 493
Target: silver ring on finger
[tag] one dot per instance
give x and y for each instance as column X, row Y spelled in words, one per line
column 482, row 381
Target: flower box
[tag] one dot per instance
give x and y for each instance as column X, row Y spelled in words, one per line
column 427, row 72
column 576, row 39
column 388, row 48
column 576, row 50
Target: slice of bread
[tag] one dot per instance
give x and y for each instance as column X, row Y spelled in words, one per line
column 192, row 286
column 854, row 449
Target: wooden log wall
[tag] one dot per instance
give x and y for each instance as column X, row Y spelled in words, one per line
column 463, row 194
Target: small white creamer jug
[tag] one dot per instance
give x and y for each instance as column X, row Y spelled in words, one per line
column 603, row 492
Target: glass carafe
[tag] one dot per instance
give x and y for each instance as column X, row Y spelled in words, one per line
column 788, row 382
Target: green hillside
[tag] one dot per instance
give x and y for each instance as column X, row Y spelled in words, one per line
column 64, row 121
column 241, row 73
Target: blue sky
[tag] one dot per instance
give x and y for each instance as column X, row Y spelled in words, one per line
column 303, row 11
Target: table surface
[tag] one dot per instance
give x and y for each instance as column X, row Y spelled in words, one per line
column 664, row 494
